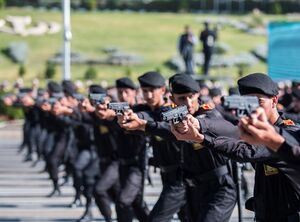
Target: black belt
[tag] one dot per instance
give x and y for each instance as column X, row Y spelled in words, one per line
column 294, row 217
column 131, row 161
column 105, row 160
column 169, row 168
column 291, row 218
column 212, row 174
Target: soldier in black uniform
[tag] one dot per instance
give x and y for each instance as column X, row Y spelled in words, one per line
column 208, row 38
column 186, row 49
column 211, row 191
column 133, row 160
column 166, row 154
column 106, row 188
column 258, row 130
column 131, row 157
column 277, row 182
column 293, row 111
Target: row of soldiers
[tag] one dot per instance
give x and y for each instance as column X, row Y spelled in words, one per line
column 104, row 143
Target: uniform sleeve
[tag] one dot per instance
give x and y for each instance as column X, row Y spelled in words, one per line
column 290, row 149
column 161, row 129
column 218, row 127
column 238, row 150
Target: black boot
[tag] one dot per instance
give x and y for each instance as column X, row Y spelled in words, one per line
column 28, row 157
column 56, row 191
column 87, row 216
column 77, row 201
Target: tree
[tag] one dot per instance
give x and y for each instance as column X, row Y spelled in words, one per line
column 22, row 70
column 50, row 71
column 90, row 73
column 276, row 8
column 2, row 4
column 91, row 4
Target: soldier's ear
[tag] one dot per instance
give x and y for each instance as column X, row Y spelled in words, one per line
column 163, row 89
column 274, row 101
column 172, row 98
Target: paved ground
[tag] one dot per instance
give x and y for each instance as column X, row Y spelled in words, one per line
column 23, row 189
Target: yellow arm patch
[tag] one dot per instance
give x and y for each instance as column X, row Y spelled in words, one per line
column 103, row 129
column 270, row 170
column 197, row 146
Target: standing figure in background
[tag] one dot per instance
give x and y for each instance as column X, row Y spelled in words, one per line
column 208, row 38
column 186, row 49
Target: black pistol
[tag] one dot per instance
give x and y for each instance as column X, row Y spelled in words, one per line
column 243, row 105
column 79, row 97
column 175, row 115
column 119, row 107
column 97, row 98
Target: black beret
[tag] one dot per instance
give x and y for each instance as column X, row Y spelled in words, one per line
column 54, row 87
column 215, row 92
column 69, row 87
column 296, row 93
column 182, row 83
column 151, row 79
column 203, row 85
column 257, row 83
column 25, row 90
column 233, row 91
column 41, row 91
column 96, row 89
column 125, row 83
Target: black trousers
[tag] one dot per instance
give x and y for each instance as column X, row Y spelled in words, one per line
column 213, row 200
column 56, row 157
column 107, row 188
column 206, row 64
column 172, row 200
column 130, row 196
column 86, row 171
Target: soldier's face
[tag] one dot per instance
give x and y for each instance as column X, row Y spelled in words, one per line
column 267, row 103
column 126, row 95
column 296, row 103
column 153, row 96
column 188, row 99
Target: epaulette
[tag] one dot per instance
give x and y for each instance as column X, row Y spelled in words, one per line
column 288, row 122
column 280, row 106
column 205, row 107
column 171, row 105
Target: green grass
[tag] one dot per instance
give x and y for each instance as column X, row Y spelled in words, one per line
column 152, row 35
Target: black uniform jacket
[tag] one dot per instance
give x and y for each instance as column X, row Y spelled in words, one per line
column 277, row 182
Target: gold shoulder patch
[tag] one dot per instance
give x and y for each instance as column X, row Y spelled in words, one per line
column 103, row 129
column 197, row 146
column 288, row 122
column 172, row 105
column 158, row 138
column 270, row 170
column 206, row 106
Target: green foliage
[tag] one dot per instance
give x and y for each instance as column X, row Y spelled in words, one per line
column 10, row 112
column 276, row 8
column 242, row 69
column 22, row 70
column 50, row 71
column 91, row 4
column 90, row 73
column 257, row 19
column 128, row 72
column 183, row 5
column 138, row 37
column 2, row 4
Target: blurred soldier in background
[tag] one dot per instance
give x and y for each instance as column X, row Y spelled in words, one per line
column 208, row 38
column 187, row 41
